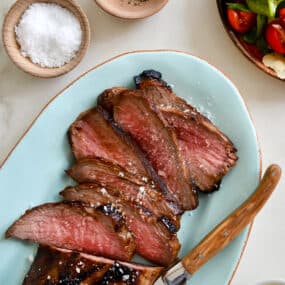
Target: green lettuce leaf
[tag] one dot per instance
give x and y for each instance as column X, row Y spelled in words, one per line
column 264, row 7
column 255, row 33
column 263, row 46
column 260, row 23
column 238, row 6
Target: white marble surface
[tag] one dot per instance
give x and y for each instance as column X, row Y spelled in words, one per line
column 186, row 25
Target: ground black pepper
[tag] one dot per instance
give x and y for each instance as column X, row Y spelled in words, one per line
column 135, row 2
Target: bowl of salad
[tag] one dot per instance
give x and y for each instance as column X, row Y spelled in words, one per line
column 257, row 27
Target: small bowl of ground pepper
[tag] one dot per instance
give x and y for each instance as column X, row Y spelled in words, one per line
column 131, row 9
column 46, row 38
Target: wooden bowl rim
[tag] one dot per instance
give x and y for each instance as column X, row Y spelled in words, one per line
column 239, row 45
column 122, row 15
column 46, row 72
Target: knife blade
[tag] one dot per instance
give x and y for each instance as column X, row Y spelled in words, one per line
column 223, row 233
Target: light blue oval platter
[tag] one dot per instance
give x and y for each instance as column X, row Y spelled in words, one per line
column 34, row 172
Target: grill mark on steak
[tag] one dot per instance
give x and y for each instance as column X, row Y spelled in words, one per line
column 54, row 266
column 153, row 241
column 208, row 153
column 92, row 136
column 73, row 226
column 112, row 176
column 169, row 224
column 134, row 115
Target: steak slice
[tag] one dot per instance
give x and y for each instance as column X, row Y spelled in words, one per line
column 92, row 136
column 58, row 266
column 209, row 154
column 72, row 226
column 128, row 185
column 153, row 241
column 134, row 115
column 208, row 157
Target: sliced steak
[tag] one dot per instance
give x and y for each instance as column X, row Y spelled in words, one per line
column 92, row 136
column 209, row 154
column 90, row 168
column 58, row 266
column 134, row 115
column 105, row 105
column 209, row 158
column 128, row 185
column 72, row 226
column 153, row 241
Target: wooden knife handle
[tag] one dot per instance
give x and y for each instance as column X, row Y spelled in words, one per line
column 226, row 231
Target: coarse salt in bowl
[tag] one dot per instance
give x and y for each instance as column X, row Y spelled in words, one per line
column 48, row 34
column 35, row 44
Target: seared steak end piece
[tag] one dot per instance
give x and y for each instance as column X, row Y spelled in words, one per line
column 57, row 266
column 150, row 74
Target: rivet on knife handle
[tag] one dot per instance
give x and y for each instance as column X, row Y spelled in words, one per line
column 225, row 232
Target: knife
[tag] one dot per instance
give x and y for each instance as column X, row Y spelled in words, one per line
column 223, row 233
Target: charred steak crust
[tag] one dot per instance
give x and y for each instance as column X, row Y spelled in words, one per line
column 153, row 240
column 150, row 74
column 56, row 266
column 76, row 227
column 208, row 153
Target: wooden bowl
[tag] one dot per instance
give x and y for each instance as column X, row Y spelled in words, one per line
column 247, row 49
column 132, row 9
column 13, row 49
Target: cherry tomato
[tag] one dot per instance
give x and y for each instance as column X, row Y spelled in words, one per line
column 241, row 21
column 275, row 35
column 282, row 13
